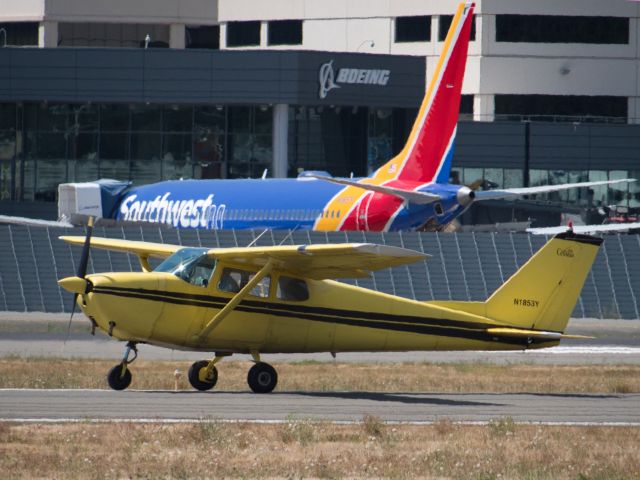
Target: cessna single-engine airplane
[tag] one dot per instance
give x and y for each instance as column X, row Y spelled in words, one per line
column 411, row 191
column 262, row 300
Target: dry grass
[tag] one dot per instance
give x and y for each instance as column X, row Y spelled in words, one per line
column 317, row 376
column 297, row 449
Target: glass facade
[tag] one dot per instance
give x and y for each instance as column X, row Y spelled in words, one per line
column 45, row 144
column 328, row 138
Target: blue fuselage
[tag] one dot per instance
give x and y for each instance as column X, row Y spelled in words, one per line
column 269, row 203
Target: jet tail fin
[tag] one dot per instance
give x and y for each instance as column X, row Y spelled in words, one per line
column 426, row 157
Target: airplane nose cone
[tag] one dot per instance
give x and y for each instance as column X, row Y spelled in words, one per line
column 75, row 285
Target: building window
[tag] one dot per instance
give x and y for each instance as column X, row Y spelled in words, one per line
column 112, row 35
column 328, row 138
column 466, row 104
column 413, row 29
column 559, row 107
column 18, row 33
column 444, row 22
column 285, row 32
column 202, row 37
column 250, row 141
column 243, row 34
column 562, row 29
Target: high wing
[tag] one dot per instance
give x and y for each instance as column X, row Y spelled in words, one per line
column 608, row 227
column 505, row 193
column 420, row 198
column 142, row 249
column 341, row 260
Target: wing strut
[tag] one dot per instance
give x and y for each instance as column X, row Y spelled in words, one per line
column 233, row 303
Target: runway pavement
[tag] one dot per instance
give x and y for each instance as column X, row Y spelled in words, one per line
column 88, row 405
column 43, row 335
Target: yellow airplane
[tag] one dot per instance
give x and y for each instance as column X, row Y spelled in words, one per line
column 262, row 300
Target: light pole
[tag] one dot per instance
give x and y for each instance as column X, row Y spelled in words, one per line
column 371, row 44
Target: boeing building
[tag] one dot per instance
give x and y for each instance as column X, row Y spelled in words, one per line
column 164, row 89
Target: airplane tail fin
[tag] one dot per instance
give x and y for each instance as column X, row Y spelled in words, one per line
column 542, row 294
column 426, row 157
column 537, row 301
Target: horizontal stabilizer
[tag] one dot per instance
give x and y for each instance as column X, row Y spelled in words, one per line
column 602, row 228
column 506, row 193
column 537, row 334
column 420, row 198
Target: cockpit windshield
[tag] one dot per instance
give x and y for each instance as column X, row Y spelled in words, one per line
column 192, row 265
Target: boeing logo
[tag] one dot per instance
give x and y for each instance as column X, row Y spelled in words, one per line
column 326, row 78
column 362, row 76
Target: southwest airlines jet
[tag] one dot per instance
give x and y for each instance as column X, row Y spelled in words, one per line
column 411, row 191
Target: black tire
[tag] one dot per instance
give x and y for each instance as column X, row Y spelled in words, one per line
column 194, row 377
column 117, row 380
column 262, row 378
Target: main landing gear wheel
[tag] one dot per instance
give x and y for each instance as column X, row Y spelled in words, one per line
column 262, row 378
column 119, row 377
column 198, row 376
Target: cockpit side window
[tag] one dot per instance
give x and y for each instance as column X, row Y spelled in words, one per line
column 232, row 280
column 292, row 289
column 192, row 265
column 198, row 272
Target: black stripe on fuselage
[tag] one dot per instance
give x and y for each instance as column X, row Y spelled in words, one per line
column 210, row 301
column 401, row 323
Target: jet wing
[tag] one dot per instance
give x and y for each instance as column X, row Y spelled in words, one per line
column 607, row 227
column 342, row 260
column 420, row 198
column 506, row 193
column 142, row 249
column 34, row 222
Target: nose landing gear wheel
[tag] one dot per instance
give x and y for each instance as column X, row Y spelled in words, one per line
column 197, row 376
column 262, row 378
column 119, row 377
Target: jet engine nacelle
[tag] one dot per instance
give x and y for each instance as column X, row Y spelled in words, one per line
column 465, row 196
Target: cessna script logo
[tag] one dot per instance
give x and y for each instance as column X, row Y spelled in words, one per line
column 349, row 76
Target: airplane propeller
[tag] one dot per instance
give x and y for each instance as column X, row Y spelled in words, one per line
column 79, row 284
